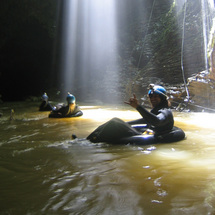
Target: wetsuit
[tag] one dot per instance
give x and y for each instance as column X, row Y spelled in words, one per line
column 160, row 120
column 65, row 111
column 45, row 106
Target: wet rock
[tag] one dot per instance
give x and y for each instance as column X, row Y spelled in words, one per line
column 202, row 91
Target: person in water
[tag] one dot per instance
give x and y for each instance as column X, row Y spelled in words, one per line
column 159, row 120
column 45, row 105
column 69, row 110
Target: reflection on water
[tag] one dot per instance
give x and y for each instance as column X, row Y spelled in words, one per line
column 43, row 171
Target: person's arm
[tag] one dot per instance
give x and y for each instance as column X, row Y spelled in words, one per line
column 62, row 110
column 155, row 120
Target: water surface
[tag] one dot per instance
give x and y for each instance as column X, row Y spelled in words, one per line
column 44, row 171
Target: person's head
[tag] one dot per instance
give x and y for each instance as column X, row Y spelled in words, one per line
column 45, row 97
column 157, row 95
column 70, row 98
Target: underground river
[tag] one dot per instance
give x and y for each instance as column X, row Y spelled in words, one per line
column 44, row 171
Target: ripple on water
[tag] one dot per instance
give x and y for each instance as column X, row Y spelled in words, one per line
column 18, row 152
column 56, row 175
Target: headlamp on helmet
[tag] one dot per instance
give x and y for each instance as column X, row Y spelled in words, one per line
column 156, row 89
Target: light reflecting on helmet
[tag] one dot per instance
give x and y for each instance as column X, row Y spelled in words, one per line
column 70, row 98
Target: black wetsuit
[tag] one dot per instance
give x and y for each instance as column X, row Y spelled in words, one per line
column 160, row 120
column 45, row 106
column 65, row 111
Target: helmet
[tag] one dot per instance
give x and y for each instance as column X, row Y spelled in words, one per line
column 45, row 97
column 70, row 98
column 156, row 89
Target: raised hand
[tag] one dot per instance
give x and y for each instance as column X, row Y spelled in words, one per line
column 133, row 102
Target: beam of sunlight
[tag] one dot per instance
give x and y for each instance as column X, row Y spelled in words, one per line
column 102, row 114
column 211, row 3
column 88, row 51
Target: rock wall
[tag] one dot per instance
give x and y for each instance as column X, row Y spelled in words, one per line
column 202, row 86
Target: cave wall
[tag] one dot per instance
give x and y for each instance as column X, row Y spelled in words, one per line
column 202, row 86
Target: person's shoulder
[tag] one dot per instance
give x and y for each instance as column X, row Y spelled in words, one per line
column 165, row 110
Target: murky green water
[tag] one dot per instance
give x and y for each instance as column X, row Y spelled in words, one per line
column 42, row 171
